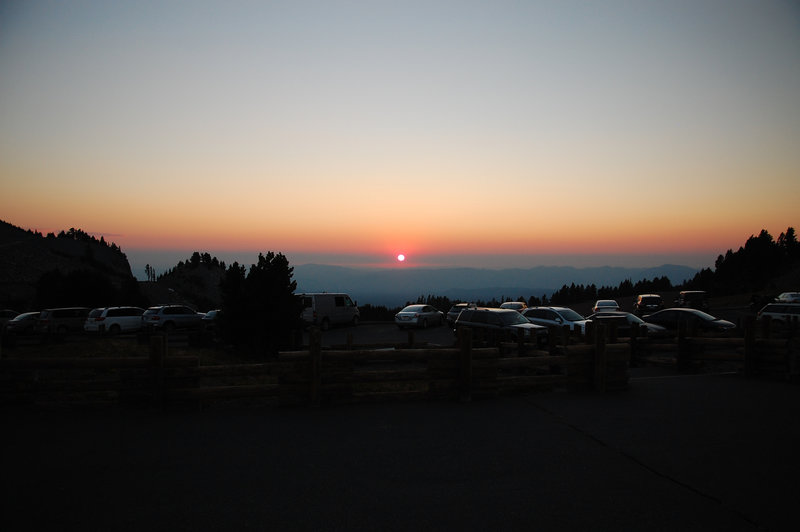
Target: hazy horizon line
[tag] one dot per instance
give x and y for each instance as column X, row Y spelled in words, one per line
column 162, row 260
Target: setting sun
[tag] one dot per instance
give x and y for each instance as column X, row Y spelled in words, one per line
column 401, row 257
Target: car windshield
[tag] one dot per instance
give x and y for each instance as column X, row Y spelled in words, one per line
column 513, row 318
column 632, row 318
column 570, row 315
column 26, row 316
column 413, row 308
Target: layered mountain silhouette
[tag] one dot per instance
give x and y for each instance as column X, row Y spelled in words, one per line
column 392, row 287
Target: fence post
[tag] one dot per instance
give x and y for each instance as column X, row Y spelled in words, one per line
column 750, row 360
column 315, row 356
column 683, row 357
column 600, row 358
column 465, row 340
column 552, row 339
column 766, row 327
column 158, row 345
column 589, row 335
column 566, row 330
column 634, row 345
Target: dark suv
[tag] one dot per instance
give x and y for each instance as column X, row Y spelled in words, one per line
column 692, row 299
column 169, row 317
column 497, row 322
column 647, row 304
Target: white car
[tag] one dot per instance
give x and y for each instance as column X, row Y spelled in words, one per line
column 519, row 306
column 114, row 320
column 781, row 313
column 418, row 316
column 605, row 305
column 788, row 297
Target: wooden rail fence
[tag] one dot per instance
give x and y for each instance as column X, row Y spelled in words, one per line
column 321, row 376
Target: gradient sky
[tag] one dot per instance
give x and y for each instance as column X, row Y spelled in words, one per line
column 458, row 133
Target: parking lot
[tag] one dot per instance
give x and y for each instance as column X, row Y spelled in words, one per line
column 674, row 452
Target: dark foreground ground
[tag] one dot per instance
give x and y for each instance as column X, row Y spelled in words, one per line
column 704, row 452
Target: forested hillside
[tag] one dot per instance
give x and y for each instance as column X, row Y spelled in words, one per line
column 68, row 268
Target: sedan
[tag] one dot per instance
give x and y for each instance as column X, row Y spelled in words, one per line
column 555, row 317
column 788, row 297
column 693, row 318
column 605, row 305
column 24, row 323
column 418, row 316
column 623, row 321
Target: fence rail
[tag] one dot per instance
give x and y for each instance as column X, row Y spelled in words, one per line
column 316, row 376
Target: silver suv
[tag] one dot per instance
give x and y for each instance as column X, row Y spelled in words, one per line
column 169, row 317
column 496, row 321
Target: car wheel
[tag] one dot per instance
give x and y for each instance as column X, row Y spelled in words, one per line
column 114, row 329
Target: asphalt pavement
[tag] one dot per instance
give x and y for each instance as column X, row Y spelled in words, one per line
column 673, row 452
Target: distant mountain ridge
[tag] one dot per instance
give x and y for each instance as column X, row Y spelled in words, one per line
column 393, row 287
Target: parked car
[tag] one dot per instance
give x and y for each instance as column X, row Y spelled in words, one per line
column 788, row 297
column 605, row 305
column 670, row 318
column 22, row 324
column 555, row 317
column 647, row 304
column 7, row 315
column 623, row 321
column 114, row 320
column 455, row 310
column 169, row 317
column 519, row 306
column 781, row 313
column 61, row 321
column 692, row 299
column 326, row 309
column 418, row 316
column 495, row 320
column 210, row 320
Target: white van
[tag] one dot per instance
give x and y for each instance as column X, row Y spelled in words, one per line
column 325, row 309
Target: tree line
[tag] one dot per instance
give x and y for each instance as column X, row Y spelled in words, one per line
column 260, row 309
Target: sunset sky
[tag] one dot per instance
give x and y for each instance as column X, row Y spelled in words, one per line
column 459, row 133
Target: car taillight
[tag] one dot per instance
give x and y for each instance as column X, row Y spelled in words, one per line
column 101, row 318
